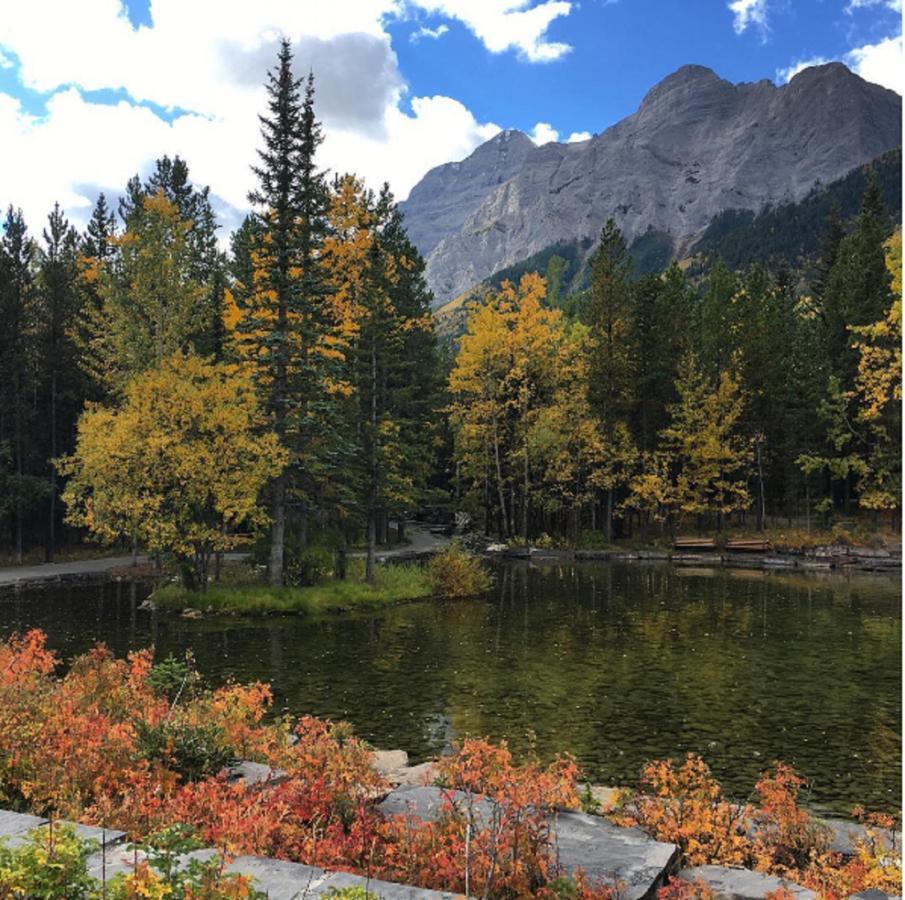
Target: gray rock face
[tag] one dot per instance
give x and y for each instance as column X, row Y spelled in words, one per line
column 742, row 884
column 697, row 145
column 623, row 857
column 439, row 204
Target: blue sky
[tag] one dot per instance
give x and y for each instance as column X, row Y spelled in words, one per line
column 403, row 85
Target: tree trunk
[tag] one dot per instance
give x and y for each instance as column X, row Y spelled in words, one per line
column 400, row 530
column 372, row 472
column 525, row 489
column 504, row 519
column 51, row 524
column 608, row 516
column 277, row 531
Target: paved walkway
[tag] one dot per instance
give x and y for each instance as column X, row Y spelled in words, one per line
column 52, row 571
column 420, row 542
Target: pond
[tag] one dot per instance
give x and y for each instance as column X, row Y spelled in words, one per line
column 615, row 663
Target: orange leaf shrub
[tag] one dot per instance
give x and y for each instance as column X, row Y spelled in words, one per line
column 685, row 806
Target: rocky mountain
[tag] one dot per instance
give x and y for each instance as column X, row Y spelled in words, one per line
column 697, row 146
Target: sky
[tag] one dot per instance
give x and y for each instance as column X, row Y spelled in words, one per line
column 93, row 91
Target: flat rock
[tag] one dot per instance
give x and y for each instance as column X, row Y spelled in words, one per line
column 624, row 857
column 279, row 879
column 387, row 761
column 607, row 798
column 742, row 884
column 845, row 835
column 108, row 862
column 428, row 803
column 254, row 773
column 13, row 823
column 383, row 889
column 415, row 776
column 872, row 894
column 604, row 852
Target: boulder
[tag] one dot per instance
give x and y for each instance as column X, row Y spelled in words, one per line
column 388, row 761
column 742, row 884
column 845, row 836
column 416, row 776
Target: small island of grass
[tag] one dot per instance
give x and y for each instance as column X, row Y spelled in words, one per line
column 451, row 573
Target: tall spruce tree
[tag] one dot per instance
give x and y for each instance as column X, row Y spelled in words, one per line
column 612, row 367
column 59, row 305
column 18, row 314
column 286, row 316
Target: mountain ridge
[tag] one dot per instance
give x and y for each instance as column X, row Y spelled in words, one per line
column 696, row 146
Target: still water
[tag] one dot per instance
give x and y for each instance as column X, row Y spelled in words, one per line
column 617, row 664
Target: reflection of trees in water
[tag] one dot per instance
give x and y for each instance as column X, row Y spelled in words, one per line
column 617, row 664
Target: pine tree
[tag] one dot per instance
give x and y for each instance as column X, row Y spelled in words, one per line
column 59, row 303
column 17, row 312
column 611, row 313
column 287, row 319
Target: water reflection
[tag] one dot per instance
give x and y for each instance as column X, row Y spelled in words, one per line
column 614, row 663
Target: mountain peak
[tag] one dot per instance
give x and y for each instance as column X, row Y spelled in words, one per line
column 688, row 78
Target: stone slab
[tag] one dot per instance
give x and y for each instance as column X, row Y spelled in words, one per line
column 846, row 835
column 18, row 823
column 428, row 803
column 385, row 890
column 604, row 852
column 742, row 884
column 623, row 857
column 255, row 774
column 108, row 862
column 872, row 894
column 279, row 879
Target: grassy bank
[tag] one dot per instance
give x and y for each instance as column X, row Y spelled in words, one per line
column 394, row 584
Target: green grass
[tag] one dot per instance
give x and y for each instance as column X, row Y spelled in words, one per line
column 395, row 584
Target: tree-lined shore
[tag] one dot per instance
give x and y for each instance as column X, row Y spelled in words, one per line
column 161, row 393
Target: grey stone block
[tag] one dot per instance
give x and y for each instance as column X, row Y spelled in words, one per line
column 255, row 774
column 624, row 857
column 385, row 890
column 872, row 894
column 742, row 884
column 108, row 862
column 604, row 852
column 845, row 835
column 280, row 880
column 13, row 823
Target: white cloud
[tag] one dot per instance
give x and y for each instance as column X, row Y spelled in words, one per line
column 882, row 63
column 544, row 133
column 784, row 76
column 429, row 33
column 206, row 61
column 503, row 25
column 854, row 5
column 578, row 136
column 747, row 13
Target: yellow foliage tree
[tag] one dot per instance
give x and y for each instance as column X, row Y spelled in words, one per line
column 708, row 457
column 178, row 466
column 150, row 306
column 878, row 394
column 505, row 375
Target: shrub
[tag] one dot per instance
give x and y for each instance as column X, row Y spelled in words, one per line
column 192, row 751
column 304, row 568
column 174, row 678
column 456, row 573
column 685, row 806
column 50, row 864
